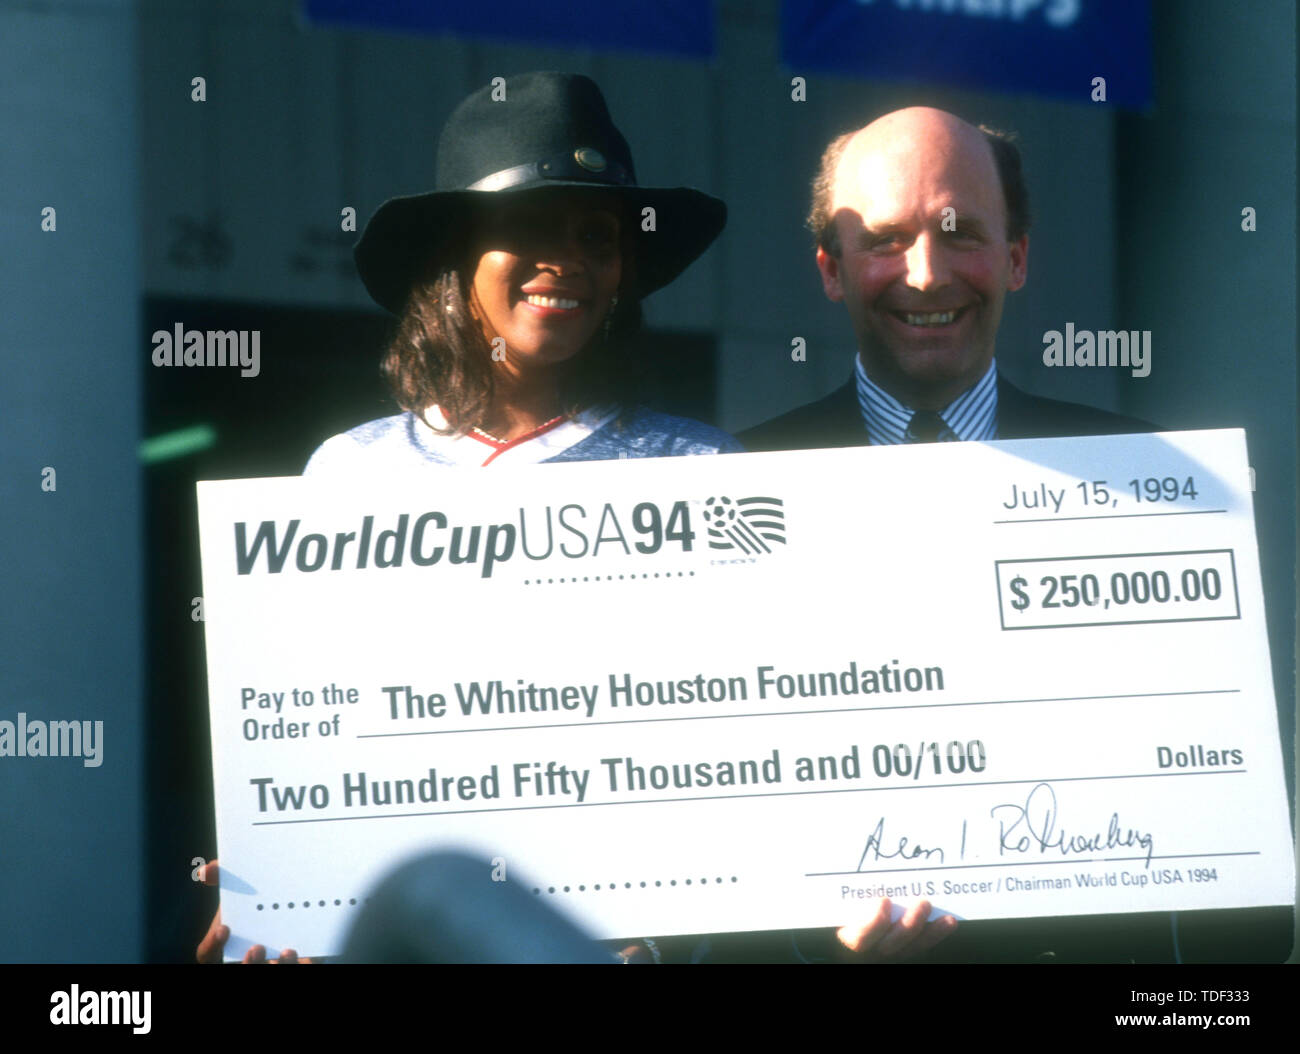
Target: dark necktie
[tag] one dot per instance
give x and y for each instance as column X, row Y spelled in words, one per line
column 926, row 426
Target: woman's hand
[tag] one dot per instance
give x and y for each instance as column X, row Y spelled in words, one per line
column 214, row 942
column 879, row 939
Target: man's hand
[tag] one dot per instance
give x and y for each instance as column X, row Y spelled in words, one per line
column 882, row 940
column 214, row 942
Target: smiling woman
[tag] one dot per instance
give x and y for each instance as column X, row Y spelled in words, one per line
column 517, row 283
column 531, row 312
column 549, row 275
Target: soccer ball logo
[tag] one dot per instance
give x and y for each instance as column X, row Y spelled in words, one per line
column 746, row 524
column 719, row 512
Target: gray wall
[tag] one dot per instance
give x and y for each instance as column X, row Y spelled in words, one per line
column 1221, row 302
column 71, row 840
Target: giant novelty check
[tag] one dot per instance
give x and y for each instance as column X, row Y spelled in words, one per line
column 750, row 691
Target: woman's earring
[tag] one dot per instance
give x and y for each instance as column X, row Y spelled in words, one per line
column 609, row 316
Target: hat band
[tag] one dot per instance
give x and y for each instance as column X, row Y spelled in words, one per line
column 568, row 167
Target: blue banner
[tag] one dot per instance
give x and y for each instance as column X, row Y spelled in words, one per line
column 1042, row 47
column 674, row 27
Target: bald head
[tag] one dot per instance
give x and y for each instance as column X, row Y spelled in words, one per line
column 925, row 137
column 918, row 242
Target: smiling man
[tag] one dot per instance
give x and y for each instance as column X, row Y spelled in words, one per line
column 922, row 227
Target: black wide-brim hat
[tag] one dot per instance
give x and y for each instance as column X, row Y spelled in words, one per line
column 522, row 135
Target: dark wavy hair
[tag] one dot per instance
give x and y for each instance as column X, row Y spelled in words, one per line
column 1006, row 156
column 439, row 354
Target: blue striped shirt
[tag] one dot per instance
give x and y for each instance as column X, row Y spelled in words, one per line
column 973, row 415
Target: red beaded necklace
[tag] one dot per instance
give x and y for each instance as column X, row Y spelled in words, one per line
column 500, row 446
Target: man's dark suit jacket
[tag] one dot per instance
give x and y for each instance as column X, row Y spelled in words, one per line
column 837, row 421
column 1244, row 935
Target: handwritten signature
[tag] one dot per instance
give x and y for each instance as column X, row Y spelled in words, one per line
column 1035, row 823
column 1023, row 828
column 874, row 848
